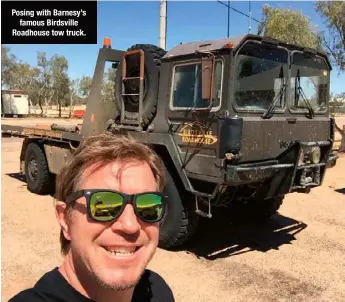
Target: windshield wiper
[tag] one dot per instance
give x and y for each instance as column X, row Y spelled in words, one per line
column 305, row 99
column 271, row 109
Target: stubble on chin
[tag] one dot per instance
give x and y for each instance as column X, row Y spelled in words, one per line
column 117, row 287
column 122, row 287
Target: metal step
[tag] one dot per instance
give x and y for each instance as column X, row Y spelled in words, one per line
column 129, row 122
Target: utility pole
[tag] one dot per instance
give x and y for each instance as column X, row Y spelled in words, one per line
column 163, row 24
column 228, row 19
column 250, row 17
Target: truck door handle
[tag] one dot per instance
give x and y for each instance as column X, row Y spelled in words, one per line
column 291, row 120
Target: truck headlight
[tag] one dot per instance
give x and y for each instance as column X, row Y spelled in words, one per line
column 315, row 155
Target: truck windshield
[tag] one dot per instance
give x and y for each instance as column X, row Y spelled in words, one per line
column 261, row 72
column 187, row 88
column 309, row 83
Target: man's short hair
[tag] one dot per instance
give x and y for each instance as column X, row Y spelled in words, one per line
column 101, row 150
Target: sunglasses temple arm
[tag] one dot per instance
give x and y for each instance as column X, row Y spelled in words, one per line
column 74, row 196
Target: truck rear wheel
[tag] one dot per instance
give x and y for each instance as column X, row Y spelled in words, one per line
column 38, row 178
column 179, row 222
column 153, row 54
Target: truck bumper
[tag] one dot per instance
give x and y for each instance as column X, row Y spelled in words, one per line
column 290, row 171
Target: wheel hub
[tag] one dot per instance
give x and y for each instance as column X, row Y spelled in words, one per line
column 33, row 169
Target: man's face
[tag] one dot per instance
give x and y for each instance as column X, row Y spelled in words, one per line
column 114, row 253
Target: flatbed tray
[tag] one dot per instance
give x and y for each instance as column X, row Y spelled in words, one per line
column 36, row 132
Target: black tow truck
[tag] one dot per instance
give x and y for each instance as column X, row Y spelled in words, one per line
column 239, row 122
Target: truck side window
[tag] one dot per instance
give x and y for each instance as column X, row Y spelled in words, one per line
column 261, row 73
column 186, row 88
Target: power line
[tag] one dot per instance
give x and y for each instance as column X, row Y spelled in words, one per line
column 238, row 11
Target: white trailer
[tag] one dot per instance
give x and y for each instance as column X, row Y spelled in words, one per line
column 14, row 102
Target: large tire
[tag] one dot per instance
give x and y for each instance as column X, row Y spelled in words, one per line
column 153, row 55
column 180, row 221
column 38, row 178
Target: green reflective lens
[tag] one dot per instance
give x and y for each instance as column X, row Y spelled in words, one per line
column 149, row 206
column 105, row 205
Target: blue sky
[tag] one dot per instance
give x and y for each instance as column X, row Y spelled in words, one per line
column 128, row 23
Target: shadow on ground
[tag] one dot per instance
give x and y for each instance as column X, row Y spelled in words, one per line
column 342, row 191
column 17, row 176
column 20, row 177
column 216, row 239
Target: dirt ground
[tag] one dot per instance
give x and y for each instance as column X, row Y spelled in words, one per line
column 297, row 256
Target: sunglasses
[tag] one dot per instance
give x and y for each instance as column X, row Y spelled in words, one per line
column 106, row 205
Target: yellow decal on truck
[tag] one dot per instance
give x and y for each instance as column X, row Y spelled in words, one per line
column 197, row 133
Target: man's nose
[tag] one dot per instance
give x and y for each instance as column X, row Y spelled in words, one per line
column 128, row 221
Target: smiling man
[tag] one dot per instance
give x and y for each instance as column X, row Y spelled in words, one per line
column 109, row 204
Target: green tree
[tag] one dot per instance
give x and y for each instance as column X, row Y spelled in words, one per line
column 74, row 89
column 60, row 81
column 22, row 76
column 42, row 87
column 108, row 85
column 8, row 62
column 85, row 85
column 289, row 26
column 334, row 14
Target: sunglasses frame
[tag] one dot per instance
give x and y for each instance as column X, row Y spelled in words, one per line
column 127, row 199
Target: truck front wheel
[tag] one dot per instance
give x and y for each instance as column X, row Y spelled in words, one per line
column 38, row 178
column 179, row 221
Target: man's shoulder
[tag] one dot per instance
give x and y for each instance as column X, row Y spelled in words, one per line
column 153, row 287
column 51, row 287
column 27, row 295
column 36, row 293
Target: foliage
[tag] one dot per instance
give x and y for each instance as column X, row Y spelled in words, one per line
column 47, row 83
column 336, row 107
column 8, row 62
column 60, row 83
column 108, row 91
column 85, row 85
column 289, row 26
column 334, row 41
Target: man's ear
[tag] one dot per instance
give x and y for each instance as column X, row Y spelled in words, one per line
column 61, row 216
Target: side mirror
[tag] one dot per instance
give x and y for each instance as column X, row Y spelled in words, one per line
column 206, row 78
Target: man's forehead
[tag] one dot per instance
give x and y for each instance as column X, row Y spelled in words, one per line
column 114, row 168
column 118, row 167
column 115, row 175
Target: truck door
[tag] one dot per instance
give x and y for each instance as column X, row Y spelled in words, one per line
column 193, row 118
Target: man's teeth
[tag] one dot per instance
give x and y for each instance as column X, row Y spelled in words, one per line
column 121, row 251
